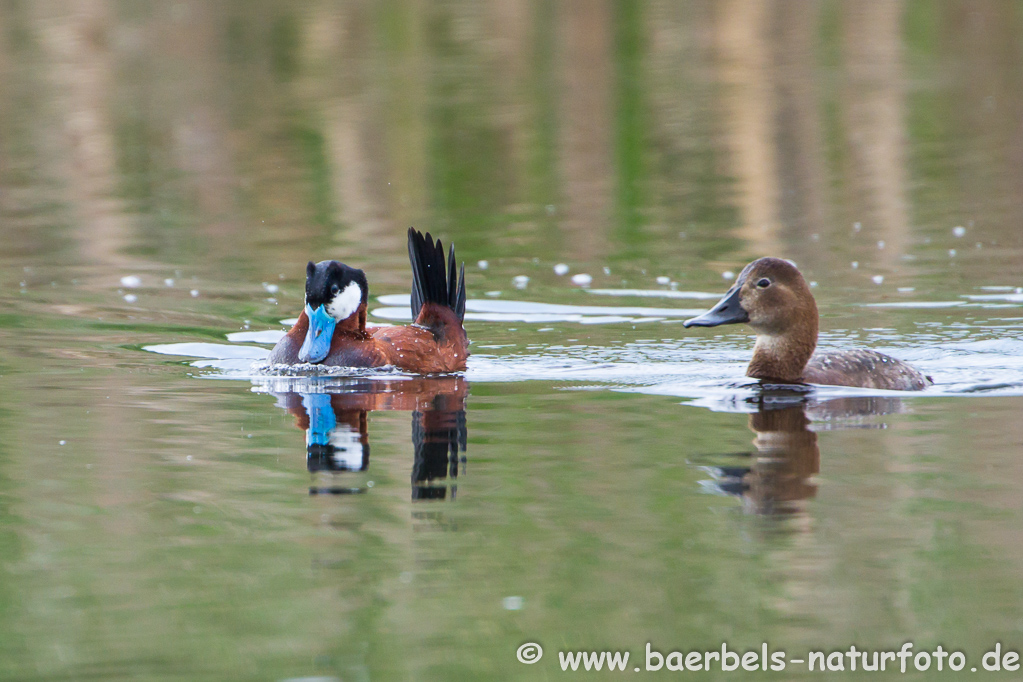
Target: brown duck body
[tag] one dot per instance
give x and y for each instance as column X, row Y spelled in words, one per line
column 416, row 348
column 865, row 369
column 771, row 295
column 331, row 330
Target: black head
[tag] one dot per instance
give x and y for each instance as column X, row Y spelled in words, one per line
column 338, row 287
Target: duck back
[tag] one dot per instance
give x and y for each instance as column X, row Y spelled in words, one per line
column 863, row 369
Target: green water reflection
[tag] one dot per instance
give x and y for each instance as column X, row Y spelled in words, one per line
column 156, row 520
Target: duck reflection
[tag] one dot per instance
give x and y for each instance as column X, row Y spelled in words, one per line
column 776, row 479
column 337, row 432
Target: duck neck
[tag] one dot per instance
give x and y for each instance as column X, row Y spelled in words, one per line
column 354, row 324
column 781, row 357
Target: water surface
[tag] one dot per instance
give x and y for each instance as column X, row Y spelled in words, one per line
column 600, row 477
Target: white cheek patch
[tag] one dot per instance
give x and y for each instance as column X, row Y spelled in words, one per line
column 347, row 444
column 345, row 302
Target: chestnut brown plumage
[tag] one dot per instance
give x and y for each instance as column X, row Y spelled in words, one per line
column 771, row 296
column 436, row 340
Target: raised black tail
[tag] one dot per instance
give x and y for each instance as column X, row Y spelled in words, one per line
column 431, row 283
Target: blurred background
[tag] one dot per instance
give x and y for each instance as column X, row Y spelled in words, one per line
column 256, row 135
column 167, row 169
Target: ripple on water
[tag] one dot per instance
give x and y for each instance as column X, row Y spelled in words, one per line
column 268, row 336
column 693, row 367
column 397, row 308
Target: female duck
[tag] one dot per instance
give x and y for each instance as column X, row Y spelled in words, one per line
column 772, row 297
column 332, row 328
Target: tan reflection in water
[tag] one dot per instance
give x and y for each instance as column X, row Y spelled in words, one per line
column 76, row 38
column 875, row 121
column 191, row 108
column 748, row 103
column 585, row 154
column 803, row 208
column 373, row 126
column 766, row 58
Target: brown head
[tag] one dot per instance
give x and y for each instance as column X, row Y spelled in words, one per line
column 771, row 296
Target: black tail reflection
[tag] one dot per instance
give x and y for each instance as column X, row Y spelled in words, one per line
column 438, row 437
column 337, row 435
column 777, row 478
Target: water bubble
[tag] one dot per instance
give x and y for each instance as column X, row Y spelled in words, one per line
column 857, row 227
column 582, row 279
column 951, row 253
column 168, row 282
column 877, row 279
column 271, row 288
column 728, row 274
column 512, row 603
column 855, row 264
column 520, row 281
column 492, row 294
column 906, row 290
column 482, row 265
column 880, row 244
column 607, row 270
column 663, row 280
column 131, row 281
column 550, row 209
column 194, row 293
column 63, row 442
column 959, row 231
column 131, row 298
column 560, row 269
column 813, row 284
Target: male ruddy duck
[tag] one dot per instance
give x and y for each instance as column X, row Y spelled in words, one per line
column 332, row 328
column 772, row 297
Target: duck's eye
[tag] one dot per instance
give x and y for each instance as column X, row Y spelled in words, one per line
column 334, row 289
column 764, row 283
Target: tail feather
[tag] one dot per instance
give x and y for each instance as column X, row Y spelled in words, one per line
column 431, row 281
